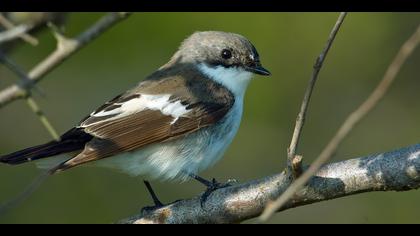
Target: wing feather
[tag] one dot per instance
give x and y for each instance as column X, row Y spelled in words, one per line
column 137, row 130
column 158, row 110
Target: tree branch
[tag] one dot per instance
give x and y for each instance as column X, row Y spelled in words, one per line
column 398, row 170
column 65, row 48
column 16, row 31
column 29, row 100
column 351, row 121
column 294, row 162
column 33, row 105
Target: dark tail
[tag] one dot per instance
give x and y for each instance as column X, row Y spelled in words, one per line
column 75, row 139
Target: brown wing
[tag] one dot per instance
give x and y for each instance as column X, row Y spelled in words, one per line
column 139, row 129
column 206, row 102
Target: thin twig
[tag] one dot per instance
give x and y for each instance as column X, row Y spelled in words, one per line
column 354, row 118
column 15, row 68
column 65, row 48
column 300, row 121
column 31, row 188
column 30, row 101
column 12, row 34
column 44, row 120
column 18, row 31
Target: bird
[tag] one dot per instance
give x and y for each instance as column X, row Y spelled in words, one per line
column 174, row 124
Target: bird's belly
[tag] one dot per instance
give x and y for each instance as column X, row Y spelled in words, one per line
column 176, row 159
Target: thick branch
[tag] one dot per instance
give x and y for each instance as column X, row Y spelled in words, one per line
column 398, row 170
column 66, row 48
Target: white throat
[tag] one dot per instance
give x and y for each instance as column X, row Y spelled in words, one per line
column 234, row 79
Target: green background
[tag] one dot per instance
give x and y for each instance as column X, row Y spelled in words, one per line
column 288, row 44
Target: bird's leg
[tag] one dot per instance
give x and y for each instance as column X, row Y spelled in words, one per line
column 156, row 201
column 212, row 186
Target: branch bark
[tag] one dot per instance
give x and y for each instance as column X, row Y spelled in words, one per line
column 66, row 47
column 398, row 170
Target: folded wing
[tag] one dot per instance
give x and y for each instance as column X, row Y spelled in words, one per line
column 133, row 121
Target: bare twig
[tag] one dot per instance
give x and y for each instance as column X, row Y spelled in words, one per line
column 30, row 101
column 398, row 170
column 5, row 207
column 24, row 79
column 12, row 34
column 16, row 31
column 354, row 118
column 65, row 48
column 300, row 121
column 44, row 120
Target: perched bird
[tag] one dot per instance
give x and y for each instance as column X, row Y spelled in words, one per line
column 172, row 125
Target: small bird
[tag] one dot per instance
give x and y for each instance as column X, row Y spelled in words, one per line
column 175, row 123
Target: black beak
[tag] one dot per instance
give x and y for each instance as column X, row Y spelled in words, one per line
column 257, row 68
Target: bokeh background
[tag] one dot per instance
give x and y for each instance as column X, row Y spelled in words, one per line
column 288, row 44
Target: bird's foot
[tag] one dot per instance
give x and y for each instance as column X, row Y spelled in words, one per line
column 212, row 186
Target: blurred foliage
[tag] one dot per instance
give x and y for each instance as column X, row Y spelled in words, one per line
column 35, row 21
column 288, row 44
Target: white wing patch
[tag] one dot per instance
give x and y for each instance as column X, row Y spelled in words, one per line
column 144, row 102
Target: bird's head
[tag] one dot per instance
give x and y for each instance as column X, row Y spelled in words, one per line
column 228, row 58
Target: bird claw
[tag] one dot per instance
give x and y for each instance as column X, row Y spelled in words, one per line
column 213, row 186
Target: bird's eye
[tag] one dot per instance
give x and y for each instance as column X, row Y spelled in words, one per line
column 226, row 54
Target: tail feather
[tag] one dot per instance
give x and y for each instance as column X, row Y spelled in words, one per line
column 73, row 140
column 37, row 152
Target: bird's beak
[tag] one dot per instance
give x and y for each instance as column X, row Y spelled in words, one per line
column 257, row 68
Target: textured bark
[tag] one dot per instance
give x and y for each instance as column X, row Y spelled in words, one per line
column 398, row 170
